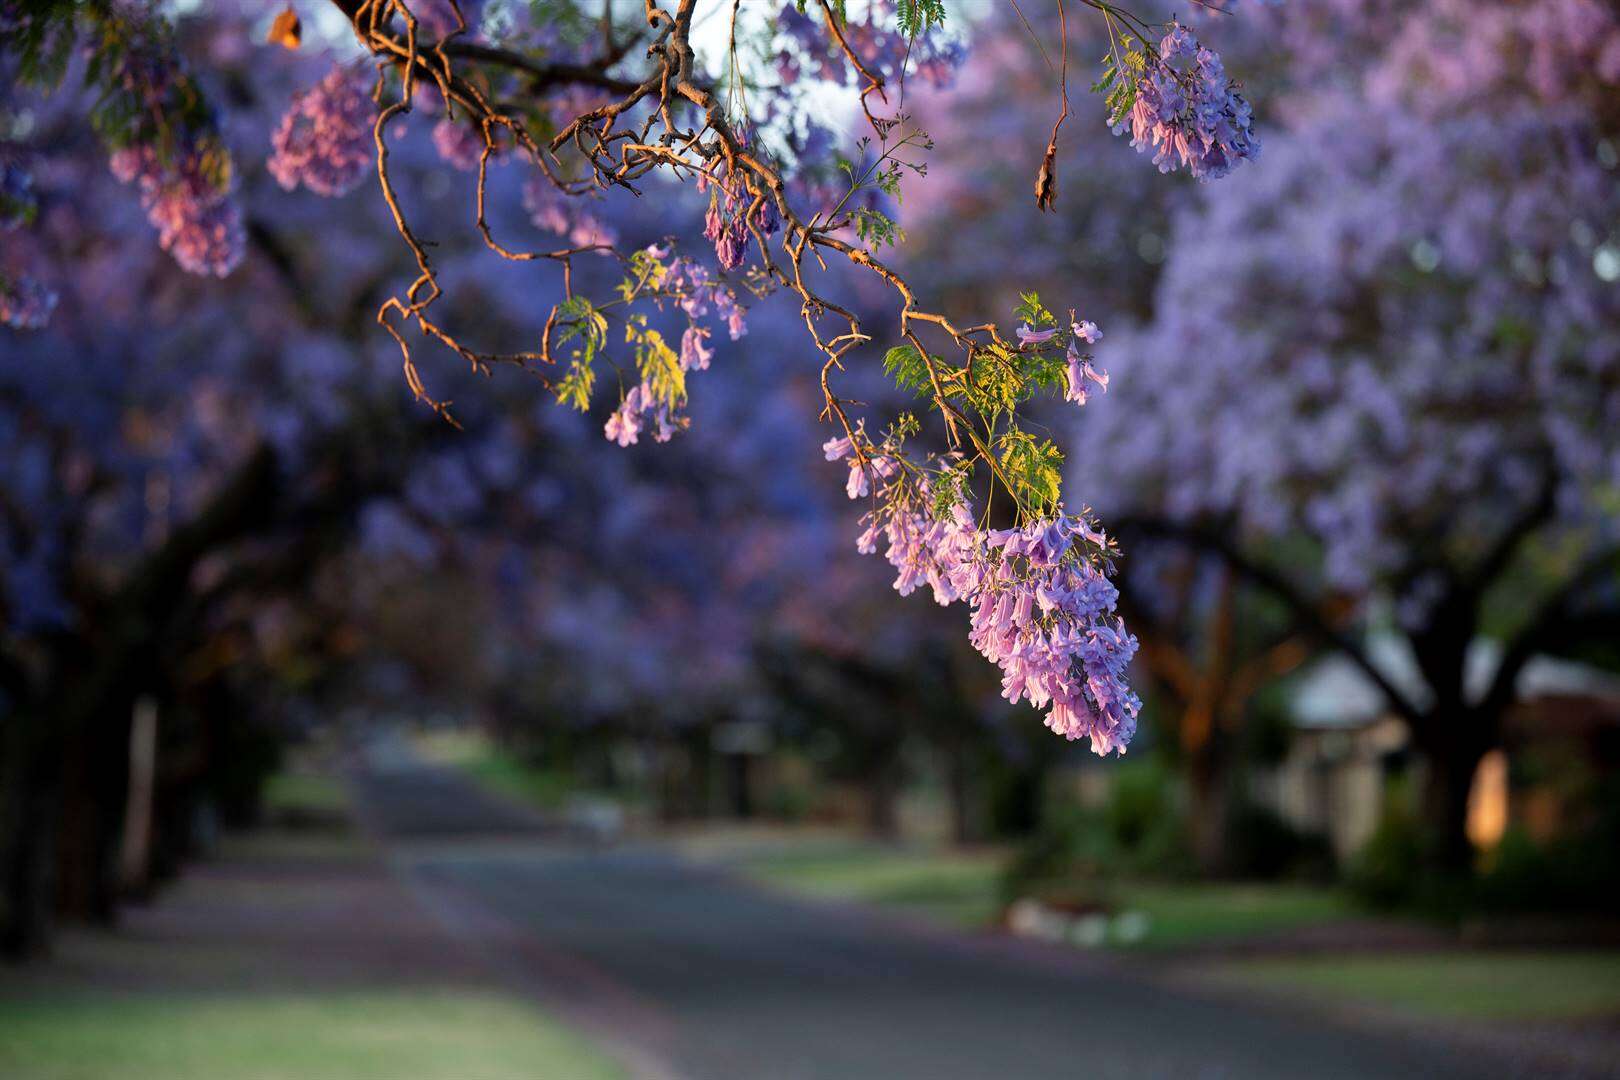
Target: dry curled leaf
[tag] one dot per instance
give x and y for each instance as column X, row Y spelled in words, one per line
column 1046, row 179
column 287, row 30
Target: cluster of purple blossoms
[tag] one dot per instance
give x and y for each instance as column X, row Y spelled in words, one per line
column 865, row 472
column 325, row 139
column 638, row 408
column 1081, row 372
column 700, row 293
column 1042, row 605
column 727, row 223
column 1189, row 111
column 188, row 203
column 25, row 304
column 554, row 211
column 183, row 170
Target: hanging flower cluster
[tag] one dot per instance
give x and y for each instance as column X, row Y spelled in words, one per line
column 727, row 223
column 1184, row 108
column 177, row 161
column 324, row 140
column 638, row 408
column 1042, row 605
column 186, row 196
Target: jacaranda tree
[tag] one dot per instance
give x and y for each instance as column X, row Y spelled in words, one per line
column 1387, row 365
column 592, row 106
column 158, row 432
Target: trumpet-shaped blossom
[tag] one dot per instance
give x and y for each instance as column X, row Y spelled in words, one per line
column 639, row 408
column 695, row 355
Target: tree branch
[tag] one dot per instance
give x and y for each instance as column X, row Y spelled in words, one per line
column 1300, row 606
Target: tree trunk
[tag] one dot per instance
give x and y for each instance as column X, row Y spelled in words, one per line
column 1452, row 751
column 30, row 788
column 1208, row 802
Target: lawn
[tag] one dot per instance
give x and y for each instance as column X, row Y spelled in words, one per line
column 953, row 887
column 1197, row 913
column 1477, row 986
column 963, row 888
column 378, row 1035
column 300, row 792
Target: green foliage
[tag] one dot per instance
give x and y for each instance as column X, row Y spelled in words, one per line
column 1031, row 310
column 1387, row 872
column 876, row 229
column 839, row 9
column 914, row 17
column 919, row 16
column 42, row 47
column 1260, row 843
column 1122, row 68
column 656, row 363
column 646, row 269
column 582, row 322
column 906, row 366
column 1034, row 470
column 1078, row 850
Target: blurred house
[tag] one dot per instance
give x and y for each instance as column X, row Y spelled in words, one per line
column 1348, row 748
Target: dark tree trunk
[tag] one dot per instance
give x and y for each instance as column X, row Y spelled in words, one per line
column 1452, row 747
column 80, row 720
column 30, row 790
column 1208, row 805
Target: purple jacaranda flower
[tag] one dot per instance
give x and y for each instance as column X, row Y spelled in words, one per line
column 324, row 141
column 695, row 355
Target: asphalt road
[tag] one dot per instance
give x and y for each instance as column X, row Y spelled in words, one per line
column 719, row 981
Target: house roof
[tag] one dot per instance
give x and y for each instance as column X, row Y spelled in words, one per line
column 1334, row 693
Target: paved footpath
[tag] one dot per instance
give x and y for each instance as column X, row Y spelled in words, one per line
column 694, row 974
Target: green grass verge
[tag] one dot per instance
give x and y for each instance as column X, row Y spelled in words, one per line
column 1194, row 913
column 951, row 887
column 304, row 793
column 330, row 1036
column 1479, row 986
column 964, row 889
